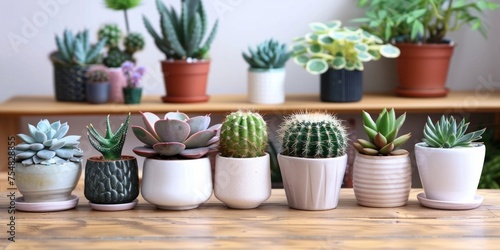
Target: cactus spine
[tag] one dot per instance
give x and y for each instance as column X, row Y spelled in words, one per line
column 243, row 135
column 312, row 135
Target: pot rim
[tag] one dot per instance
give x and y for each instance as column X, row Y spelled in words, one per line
column 100, row 158
column 382, row 156
column 312, row 159
column 183, row 61
column 242, row 159
column 476, row 145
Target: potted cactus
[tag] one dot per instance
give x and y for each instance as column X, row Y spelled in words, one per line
column 313, row 159
column 337, row 54
column 449, row 163
column 266, row 75
column 115, row 56
column 111, row 180
column 186, row 66
column 382, row 172
column 71, row 62
column 177, row 174
column 48, row 167
column 132, row 92
column 97, row 86
column 242, row 168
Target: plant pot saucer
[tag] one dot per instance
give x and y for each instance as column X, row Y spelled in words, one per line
column 113, row 207
column 188, row 99
column 49, row 206
column 449, row 205
column 422, row 92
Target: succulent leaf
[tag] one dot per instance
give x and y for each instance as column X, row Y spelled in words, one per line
column 445, row 133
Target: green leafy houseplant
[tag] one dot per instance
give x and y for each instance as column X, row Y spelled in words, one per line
column 382, row 134
column 269, row 54
column 426, row 21
column 330, row 45
column 182, row 35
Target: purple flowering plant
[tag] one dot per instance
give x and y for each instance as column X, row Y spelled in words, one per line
column 133, row 74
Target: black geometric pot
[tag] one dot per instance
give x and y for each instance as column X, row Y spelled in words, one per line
column 69, row 82
column 341, row 85
column 111, row 182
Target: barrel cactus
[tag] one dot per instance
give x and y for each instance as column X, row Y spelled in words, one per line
column 116, row 56
column 134, row 42
column 176, row 136
column 111, row 145
column 243, row 135
column 312, row 135
column 112, row 33
column 97, row 76
column 48, row 144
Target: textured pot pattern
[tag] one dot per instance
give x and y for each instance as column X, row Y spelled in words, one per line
column 176, row 184
column 382, row 181
column 242, row 183
column 450, row 174
column 266, row 86
column 45, row 183
column 111, row 182
column 69, row 82
column 312, row 184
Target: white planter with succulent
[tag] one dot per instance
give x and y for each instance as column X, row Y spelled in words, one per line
column 177, row 174
column 48, row 167
column 382, row 173
column 266, row 75
column 313, row 160
column 242, row 169
column 450, row 164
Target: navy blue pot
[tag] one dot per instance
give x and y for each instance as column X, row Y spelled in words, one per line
column 341, row 85
column 97, row 92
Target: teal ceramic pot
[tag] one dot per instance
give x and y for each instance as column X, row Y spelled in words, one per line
column 132, row 95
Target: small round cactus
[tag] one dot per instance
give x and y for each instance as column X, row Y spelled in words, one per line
column 115, row 58
column 312, row 135
column 134, row 42
column 112, row 32
column 243, row 135
column 97, row 76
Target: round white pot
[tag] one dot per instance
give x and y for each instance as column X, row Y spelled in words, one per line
column 242, row 183
column 45, row 183
column 382, row 181
column 450, row 174
column 312, row 183
column 266, row 86
column 176, row 184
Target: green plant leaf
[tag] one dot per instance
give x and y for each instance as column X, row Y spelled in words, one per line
column 316, row 66
column 389, row 51
column 301, row 59
column 339, row 62
column 318, row 27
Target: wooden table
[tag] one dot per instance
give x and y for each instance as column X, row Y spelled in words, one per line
column 273, row 225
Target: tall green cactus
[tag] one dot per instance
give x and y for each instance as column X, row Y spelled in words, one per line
column 182, row 36
column 312, row 135
column 243, row 135
column 111, row 145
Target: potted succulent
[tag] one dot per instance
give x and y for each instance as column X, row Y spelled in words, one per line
column 177, row 174
column 313, row 159
column 97, row 86
column 382, row 172
column 71, row 62
column 449, row 163
column 266, row 75
column 419, row 29
column 337, row 54
column 242, row 168
column 48, row 167
column 186, row 66
column 132, row 92
column 111, row 180
column 116, row 56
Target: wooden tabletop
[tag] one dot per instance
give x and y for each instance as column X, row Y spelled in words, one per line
column 273, row 225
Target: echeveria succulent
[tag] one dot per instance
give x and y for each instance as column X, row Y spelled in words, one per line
column 47, row 144
column 176, row 135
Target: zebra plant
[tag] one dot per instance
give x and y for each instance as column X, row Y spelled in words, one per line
column 182, row 35
column 447, row 134
column 77, row 50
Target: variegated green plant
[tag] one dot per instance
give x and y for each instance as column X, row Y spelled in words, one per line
column 382, row 134
column 111, row 144
column 447, row 134
column 330, row 45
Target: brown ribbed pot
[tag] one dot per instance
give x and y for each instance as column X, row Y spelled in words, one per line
column 423, row 69
column 185, row 82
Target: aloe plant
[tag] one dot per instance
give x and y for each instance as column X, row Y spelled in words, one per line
column 176, row 136
column 182, row 35
column 77, row 50
column 270, row 54
column 446, row 133
column 382, row 134
column 111, row 144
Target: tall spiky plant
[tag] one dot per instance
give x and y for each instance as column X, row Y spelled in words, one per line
column 111, row 145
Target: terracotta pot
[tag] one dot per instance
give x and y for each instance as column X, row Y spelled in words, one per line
column 185, row 82
column 423, row 69
column 117, row 82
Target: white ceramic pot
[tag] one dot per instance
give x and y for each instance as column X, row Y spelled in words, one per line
column 242, row 183
column 266, row 86
column 450, row 174
column 312, row 183
column 176, row 184
column 382, row 181
column 46, row 183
